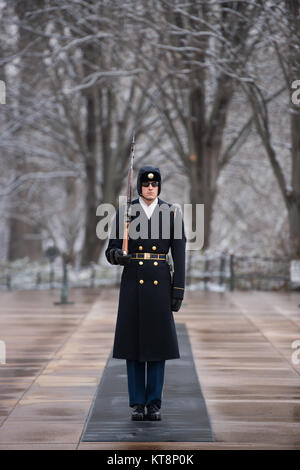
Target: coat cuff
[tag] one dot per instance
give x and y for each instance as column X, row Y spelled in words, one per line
column 177, row 292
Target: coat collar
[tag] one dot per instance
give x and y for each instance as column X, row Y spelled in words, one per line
column 159, row 203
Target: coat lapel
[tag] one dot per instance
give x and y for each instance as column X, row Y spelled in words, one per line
column 144, row 212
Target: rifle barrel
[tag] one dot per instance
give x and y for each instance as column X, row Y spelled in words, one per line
column 129, row 197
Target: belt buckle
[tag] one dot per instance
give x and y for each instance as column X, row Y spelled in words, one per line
column 147, row 255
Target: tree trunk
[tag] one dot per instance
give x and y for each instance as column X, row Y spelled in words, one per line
column 293, row 8
column 294, row 206
column 91, row 247
column 20, row 243
column 205, row 149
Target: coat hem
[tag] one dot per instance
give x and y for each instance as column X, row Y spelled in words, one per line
column 144, row 359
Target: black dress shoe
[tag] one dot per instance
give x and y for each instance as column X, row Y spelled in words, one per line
column 138, row 413
column 153, row 412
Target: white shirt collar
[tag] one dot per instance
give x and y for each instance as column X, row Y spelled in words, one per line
column 148, row 209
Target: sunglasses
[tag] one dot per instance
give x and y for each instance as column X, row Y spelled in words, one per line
column 147, row 183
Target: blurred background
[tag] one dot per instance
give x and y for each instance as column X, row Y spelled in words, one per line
column 211, row 90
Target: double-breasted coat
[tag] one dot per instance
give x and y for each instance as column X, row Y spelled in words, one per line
column 145, row 328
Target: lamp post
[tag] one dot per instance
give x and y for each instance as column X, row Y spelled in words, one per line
column 64, row 287
column 51, row 253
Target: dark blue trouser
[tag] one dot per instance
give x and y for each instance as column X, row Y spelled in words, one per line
column 139, row 392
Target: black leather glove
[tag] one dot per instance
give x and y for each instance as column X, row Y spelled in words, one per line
column 176, row 304
column 120, row 258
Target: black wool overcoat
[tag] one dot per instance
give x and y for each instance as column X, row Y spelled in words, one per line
column 145, row 328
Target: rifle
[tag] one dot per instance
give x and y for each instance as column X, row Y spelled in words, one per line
column 127, row 216
column 169, row 258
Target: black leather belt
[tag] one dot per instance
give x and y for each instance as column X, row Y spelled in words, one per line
column 159, row 256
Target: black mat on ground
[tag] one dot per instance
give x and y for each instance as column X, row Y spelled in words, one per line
column 184, row 413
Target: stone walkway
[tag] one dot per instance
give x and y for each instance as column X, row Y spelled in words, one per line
column 241, row 343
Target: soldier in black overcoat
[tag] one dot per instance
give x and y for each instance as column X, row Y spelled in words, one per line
column 145, row 332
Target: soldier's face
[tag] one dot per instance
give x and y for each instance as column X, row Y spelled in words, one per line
column 149, row 193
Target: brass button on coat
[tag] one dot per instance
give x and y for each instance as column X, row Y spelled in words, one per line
column 141, row 262
column 140, row 247
column 154, row 248
column 141, row 281
column 155, row 263
column 155, row 282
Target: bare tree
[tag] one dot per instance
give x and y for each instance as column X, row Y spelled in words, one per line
column 81, row 115
column 201, row 52
column 94, row 70
column 283, row 26
column 24, row 238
